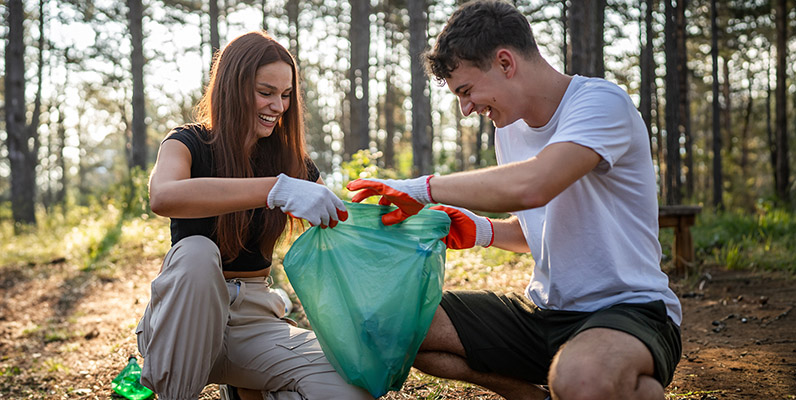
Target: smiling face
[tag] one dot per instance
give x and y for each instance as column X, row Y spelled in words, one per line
column 483, row 92
column 273, row 85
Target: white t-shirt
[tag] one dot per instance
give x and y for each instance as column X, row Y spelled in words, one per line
column 596, row 243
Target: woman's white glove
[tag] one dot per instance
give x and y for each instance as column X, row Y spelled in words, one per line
column 307, row 200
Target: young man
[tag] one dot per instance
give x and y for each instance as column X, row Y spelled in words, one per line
column 597, row 319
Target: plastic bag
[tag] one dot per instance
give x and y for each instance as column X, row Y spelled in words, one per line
column 370, row 291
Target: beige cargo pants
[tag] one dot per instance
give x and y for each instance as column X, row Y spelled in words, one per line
column 199, row 329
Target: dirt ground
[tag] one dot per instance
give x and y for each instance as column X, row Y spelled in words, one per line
column 65, row 333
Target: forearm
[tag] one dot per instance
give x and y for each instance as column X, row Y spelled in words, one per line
column 509, row 236
column 517, row 186
column 495, row 189
column 208, row 197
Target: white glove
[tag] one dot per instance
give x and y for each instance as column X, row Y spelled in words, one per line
column 306, row 200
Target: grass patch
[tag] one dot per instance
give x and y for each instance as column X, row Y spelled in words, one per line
column 765, row 239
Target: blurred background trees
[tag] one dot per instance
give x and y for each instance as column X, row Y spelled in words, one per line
column 89, row 89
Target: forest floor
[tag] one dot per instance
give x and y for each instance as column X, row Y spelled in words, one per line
column 65, row 332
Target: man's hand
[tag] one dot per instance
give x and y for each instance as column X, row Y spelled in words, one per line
column 467, row 229
column 409, row 195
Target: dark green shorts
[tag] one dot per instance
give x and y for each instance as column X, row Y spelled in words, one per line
column 509, row 335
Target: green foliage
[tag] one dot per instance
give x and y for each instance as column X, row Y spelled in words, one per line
column 115, row 228
column 10, row 371
column 765, row 239
column 364, row 164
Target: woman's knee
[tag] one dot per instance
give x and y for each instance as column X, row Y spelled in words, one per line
column 193, row 255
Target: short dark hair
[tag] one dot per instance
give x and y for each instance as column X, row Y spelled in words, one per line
column 474, row 32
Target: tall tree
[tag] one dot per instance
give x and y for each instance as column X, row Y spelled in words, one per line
column 293, row 8
column 23, row 140
column 358, row 137
column 215, row 37
column 587, row 25
column 718, row 181
column 780, row 118
column 564, row 44
column 421, row 104
column 138, row 150
column 684, row 111
column 673, row 191
column 647, row 68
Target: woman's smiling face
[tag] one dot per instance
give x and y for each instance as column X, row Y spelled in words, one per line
column 273, row 85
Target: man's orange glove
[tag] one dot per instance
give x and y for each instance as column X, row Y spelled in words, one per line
column 467, row 229
column 409, row 195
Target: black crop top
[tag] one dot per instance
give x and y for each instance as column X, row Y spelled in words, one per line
column 195, row 138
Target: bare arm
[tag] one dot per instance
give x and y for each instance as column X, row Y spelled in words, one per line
column 517, row 186
column 173, row 194
column 509, row 236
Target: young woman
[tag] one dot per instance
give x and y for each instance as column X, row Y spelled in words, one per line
column 229, row 183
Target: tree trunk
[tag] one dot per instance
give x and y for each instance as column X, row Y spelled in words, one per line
column 60, row 195
column 744, row 158
column 673, row 192
column 139, row 143
column 718, row 180
column 780, row 121
column 771, row 141
column 457, row 116
column 264, row 9
column 390, row 102
column 389, row 121
column 358, row 77
column 564, row 45
column 421, row 105
column 586, row 22
column 293, row 8
column 215, row 37
column 22, row 158
column 647, row 70
column 726, row 111
column 685, row 107
column 479, row 139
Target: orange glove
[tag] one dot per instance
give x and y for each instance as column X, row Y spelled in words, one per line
column 409, row 195
column 467, row 229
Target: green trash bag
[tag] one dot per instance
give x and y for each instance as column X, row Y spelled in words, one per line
column 370, row 291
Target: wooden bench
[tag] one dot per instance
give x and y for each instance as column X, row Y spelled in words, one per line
column 681, row 218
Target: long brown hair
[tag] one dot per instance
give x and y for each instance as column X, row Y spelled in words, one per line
column 227, row 110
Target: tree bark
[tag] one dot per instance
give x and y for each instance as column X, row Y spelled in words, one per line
column 215, row 37
column 138, row 151
column 293, row 8
column 780, row 116
column 673, row 191
column 390, row 95
column 685, row 107
column 586, row 22
column 358, row 76
column 22, row 158
column 718, row 180
column 421, row 105
column 647, row 70
column 457, row 116
column 565, row 55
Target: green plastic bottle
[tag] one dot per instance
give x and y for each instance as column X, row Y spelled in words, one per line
column 128, row 382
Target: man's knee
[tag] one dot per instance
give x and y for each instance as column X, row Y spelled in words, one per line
column 579, row 381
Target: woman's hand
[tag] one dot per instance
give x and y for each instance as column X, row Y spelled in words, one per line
column 307, row 200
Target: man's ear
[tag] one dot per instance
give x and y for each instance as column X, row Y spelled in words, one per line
column 506, row 62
